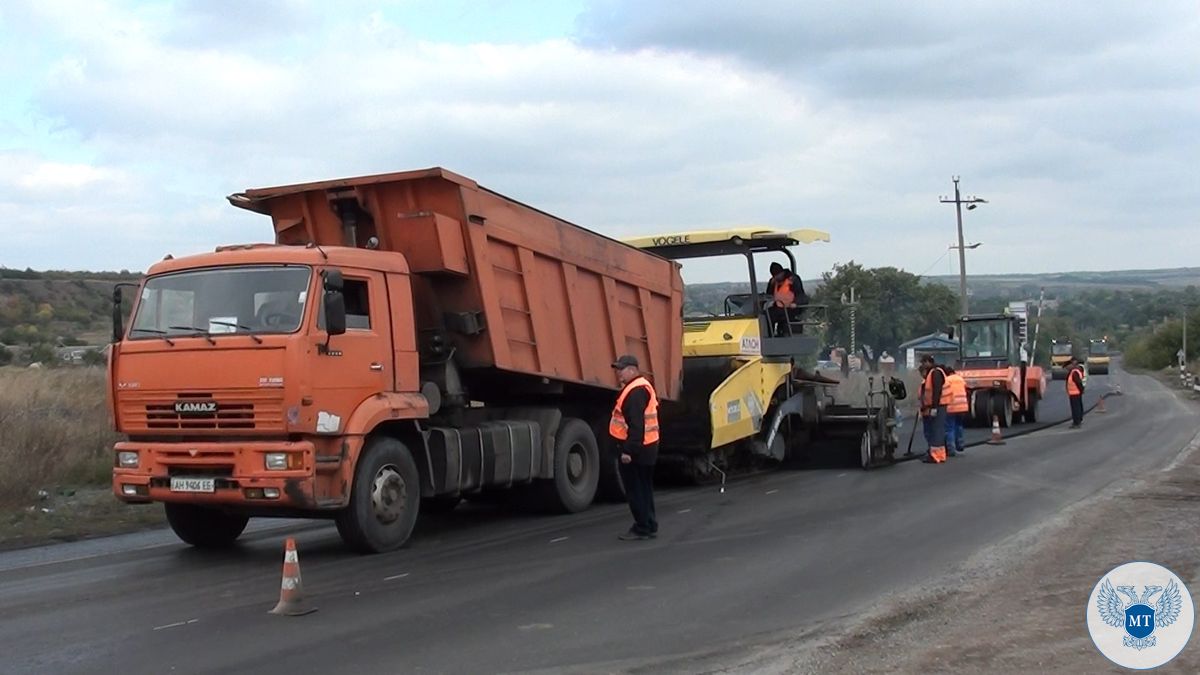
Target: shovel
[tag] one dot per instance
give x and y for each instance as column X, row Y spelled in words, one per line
column 911, row 436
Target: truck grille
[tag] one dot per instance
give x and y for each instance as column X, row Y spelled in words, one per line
column 224, row 411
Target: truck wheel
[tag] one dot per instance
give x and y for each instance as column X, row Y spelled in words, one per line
column 204, row 527
column 384, row 500
column 1002, row 408
column 1031, row 401
column 576, row 468
column 864, row 450
column 981, row 408
column 611, row 487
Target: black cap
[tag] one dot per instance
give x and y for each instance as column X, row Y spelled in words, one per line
column 625, row 361
column 776, row 268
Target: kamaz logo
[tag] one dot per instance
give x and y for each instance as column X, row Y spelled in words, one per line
column 195, row 407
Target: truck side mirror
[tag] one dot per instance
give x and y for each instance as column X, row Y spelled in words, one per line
column 334, row 301
column 118, row 321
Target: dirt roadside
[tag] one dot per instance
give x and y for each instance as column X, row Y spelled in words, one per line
column 1019, row 608
column 74, row 514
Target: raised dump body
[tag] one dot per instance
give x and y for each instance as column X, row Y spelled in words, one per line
column 511, row 289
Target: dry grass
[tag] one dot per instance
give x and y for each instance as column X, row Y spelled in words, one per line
column 54, row 432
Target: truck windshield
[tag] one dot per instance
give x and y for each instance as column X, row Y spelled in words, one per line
column 258, row 299
column 985, row 339
column 1099, row 349
column 1060, row 350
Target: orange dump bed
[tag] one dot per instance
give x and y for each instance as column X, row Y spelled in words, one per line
column 512, row 288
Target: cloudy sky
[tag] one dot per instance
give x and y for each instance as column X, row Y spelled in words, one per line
column 124, row 124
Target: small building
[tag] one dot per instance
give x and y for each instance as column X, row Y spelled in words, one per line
column 941, row 346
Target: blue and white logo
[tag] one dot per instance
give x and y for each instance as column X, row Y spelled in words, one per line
column 1140, row 615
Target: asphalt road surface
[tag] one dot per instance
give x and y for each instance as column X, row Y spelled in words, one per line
column 787, row 553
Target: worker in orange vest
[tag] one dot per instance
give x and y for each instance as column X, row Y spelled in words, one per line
column 935, row 398
column 956, row 412
column 786, row 290
column 1075, row 391
column 634, row 427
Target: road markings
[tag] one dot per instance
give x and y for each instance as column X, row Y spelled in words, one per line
column 841, row 475
column 683, row 511
column 177, row 624
column 555, row 541
column 771, row 492
column 639, row 588
column 536, row 626
column 395, row 577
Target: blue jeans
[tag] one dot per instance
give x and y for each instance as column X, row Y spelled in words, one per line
column 955, row 428
column 935, row 427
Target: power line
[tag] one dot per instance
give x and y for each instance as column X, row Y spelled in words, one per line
column 935, row 262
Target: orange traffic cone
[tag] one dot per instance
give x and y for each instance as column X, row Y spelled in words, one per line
column 291, row 592
column 1100, row 406
column 996, row 438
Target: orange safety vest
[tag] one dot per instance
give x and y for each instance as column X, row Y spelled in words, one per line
column 618, row 429
column 958, row 394
column 927, row 390
column 785, row 293
column 1073, row 388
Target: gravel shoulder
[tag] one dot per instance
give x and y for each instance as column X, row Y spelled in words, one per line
column 72, row 515
column 1019, row 607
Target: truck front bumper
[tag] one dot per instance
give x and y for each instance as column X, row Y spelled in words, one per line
column 217, row 474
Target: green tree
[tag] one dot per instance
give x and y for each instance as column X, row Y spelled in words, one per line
column 893, row 306
column 44, row 354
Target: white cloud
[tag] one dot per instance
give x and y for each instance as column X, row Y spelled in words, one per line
column 51, row 177
column 654, row 120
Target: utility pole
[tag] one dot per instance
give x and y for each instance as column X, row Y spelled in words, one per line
column 971, row 203
column 852, row 303
column 1037, row 326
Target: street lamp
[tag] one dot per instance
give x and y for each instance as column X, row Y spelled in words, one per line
column 971, row 203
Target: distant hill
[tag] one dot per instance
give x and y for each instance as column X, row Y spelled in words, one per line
column 1058, row 285
column 57, row 307
column 1065, row 284
column 62, row 307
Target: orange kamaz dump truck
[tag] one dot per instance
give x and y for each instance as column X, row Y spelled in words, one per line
column 407, row 340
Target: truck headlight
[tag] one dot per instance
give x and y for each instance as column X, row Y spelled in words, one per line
column 997, row 383
column 127, row 459
column 282, row 461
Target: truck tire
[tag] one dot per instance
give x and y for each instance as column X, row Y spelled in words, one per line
column 576, row 468
column 1031, row 404
column 1002, row 408
column 981, row 408
column 611, row 487
column 204, row 527
column 384, row 500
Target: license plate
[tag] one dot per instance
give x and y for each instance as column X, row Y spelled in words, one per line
column 193, row 485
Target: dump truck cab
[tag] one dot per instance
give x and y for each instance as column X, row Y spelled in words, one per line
column 1001, row 384
column 751, row 382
